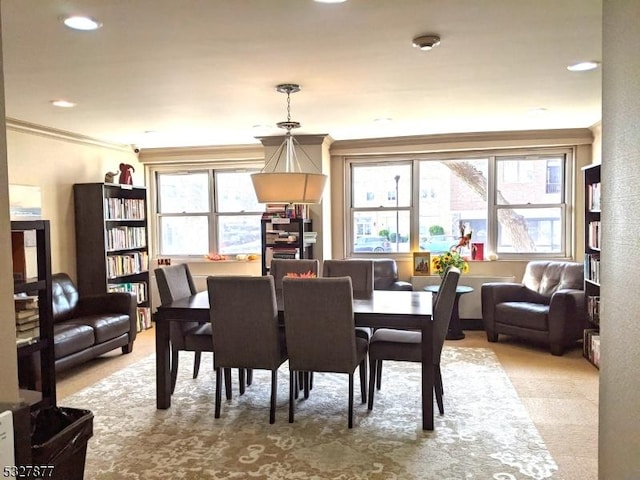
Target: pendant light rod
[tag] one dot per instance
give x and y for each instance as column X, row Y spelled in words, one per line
column 291, row 185
column 290, row 144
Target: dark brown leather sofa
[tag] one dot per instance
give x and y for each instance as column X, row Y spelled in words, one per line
column 86, row 327
column 548, row 306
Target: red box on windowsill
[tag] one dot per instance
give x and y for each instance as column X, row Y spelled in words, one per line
column 477, row 251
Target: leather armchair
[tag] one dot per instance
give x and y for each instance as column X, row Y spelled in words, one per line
column 385, row 276
column 548, row 306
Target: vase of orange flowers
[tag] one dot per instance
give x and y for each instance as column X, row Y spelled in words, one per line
column 308, row 274
column 445, row 260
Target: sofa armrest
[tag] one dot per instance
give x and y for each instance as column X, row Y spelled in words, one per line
column 112, row 302
column 400, row 285
column 498, row 292
column 493, row 293
column 567, row 316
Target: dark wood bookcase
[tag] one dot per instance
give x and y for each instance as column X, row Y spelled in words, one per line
column 591, row 345
column 112, row 247
column 285, row 238
column 36, row 359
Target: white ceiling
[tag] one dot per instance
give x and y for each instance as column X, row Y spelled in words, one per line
column 203, row 72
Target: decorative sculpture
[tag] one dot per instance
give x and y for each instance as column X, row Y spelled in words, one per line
column 109, row 177
column 465, row 238
column 125, row 174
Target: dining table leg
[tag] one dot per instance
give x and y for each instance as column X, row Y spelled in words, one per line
column 163, row 365
column 428, row 376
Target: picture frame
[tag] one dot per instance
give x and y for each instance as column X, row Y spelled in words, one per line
column 421, row 263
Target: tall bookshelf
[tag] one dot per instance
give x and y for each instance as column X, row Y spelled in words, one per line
column 285, row 238
column 592, row 232
column 30, row 242
column 112, row 242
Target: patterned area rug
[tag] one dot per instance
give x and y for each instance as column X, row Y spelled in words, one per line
column 485, row 433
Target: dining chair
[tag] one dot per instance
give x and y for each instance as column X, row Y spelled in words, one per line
column 319, row 325
column 406, row 345
column 176, row 282
column 246, row 332
column 361, row 273
column 280, row 267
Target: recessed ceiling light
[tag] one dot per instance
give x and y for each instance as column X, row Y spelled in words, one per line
column 329, row 1
column 426, row 42
column 62, row 103
column 583, row 66
column 537, row 111
column 78, row 22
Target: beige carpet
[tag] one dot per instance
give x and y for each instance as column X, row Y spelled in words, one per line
column 484, row 434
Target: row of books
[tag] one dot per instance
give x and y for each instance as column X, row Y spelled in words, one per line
column 592, row 267
column 591, row 345
column 285, row 252
column 296, row 210
column 27, row 318
column 122, row 238
column 593, row 309
column 124, row 209
column 143, row 318
column 139, row 289
column 130, row 264
column 281, row 236
column 594, row 235
column 593, row 197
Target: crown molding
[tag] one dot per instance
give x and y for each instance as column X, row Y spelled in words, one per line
column 465, row 141
column 21, row 126
column 210, row 153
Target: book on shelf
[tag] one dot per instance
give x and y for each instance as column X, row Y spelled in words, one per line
column 124, row 208
column 592, row 267
column 139, row 289
column 593, row 309
column 591, row 345
column 25, row 302
column 296, row 210
column 594, row 235
column 27, row 314
column 595, row 349
column 143, row 318
column 594, row 197
column 28, row 334
column 291, row 253
column 28, row 326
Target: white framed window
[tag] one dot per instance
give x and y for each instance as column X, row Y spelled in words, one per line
column 203, row 211
column 515, row 203
column 531, row 217
column 381, row 207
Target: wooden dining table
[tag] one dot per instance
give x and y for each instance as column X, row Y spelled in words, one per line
column 390, row 309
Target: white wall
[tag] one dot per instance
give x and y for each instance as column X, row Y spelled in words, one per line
column 8, row 358
column 619, row 437
column 54, row 163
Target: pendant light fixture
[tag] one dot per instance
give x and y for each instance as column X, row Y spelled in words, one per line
column 291, row 185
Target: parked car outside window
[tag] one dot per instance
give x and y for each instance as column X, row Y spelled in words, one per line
column 371, row 243
column 439, row 243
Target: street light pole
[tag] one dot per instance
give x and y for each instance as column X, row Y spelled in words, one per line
column 397, row 179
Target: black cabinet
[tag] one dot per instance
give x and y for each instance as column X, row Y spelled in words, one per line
column 112, row 242
column 31, row 248
column 286, row 238
column 592, row 232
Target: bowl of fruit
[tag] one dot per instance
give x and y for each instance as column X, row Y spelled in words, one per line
column 216, row 257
